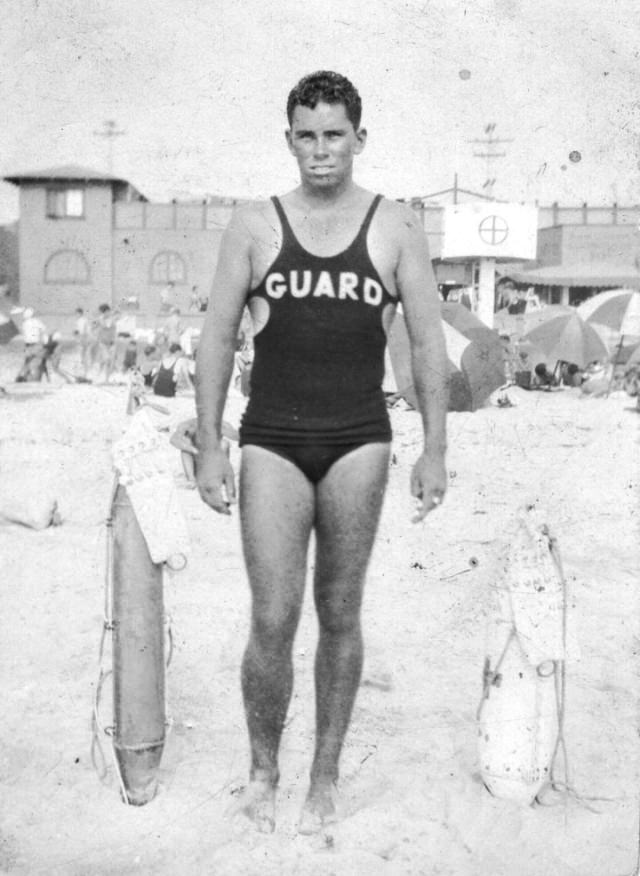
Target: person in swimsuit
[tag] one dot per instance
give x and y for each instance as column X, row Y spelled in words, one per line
column 321, row 270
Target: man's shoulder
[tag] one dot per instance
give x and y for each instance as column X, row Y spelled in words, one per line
column 399, row 224
column 252, row 220
column 400, row 214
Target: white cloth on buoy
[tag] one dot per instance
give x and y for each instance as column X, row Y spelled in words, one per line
column 142, row 463
column 519, row 719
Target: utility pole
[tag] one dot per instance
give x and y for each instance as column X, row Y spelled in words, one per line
column 109, row 133
column 491, row 153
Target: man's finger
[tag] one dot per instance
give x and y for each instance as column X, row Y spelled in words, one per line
column 425, row 505
column 212, row 496
column 188, row 466
column 230, row 488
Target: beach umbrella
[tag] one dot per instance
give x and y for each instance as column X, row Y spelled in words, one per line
column 619, row 312
column 634, row 358
column 568, row 338
column 8, row 329
column 476, row 359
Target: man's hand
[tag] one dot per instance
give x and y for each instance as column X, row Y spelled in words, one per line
column 428, row 483
column 209, row 470
column 215, row 478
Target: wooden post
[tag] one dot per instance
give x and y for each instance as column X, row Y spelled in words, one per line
column 486, row 291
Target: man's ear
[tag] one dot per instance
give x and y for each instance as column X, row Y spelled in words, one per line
column 361, row 136
column 289, row 140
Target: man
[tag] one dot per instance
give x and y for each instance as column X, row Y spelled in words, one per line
column 321, row 270
column 106, row 340
column 34, row 335
column 82, row 332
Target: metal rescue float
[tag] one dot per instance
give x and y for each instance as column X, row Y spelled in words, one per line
column 146, row 530
column 521, row 713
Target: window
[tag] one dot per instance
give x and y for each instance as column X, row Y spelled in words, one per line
column 65, row 203
column 66, row 266
column 168, row 267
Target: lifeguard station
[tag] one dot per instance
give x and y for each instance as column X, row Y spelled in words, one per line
column 486, row 234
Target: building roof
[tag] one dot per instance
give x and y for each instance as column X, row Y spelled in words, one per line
column 64, row 172
column 583, row 274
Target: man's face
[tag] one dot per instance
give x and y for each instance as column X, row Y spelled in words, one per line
column 324, row 142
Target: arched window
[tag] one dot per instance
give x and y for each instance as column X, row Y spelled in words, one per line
column 66, row 266
column 168, row 267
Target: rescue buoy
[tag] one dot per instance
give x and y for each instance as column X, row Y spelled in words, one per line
column 138, row 656
column 520, row 714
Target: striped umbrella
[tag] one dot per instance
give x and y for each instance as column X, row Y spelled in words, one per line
column 8, row 329
column 619, row 311
column 568, row 338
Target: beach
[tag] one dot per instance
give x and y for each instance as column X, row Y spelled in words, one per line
column 411, row 798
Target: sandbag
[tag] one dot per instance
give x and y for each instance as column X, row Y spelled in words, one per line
column 35, row 511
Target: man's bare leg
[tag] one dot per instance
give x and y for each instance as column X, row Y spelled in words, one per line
column 276, row 513
column 349, row 500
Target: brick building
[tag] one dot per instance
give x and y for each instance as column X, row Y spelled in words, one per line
column 87, row 237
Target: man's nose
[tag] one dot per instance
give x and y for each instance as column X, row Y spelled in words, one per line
column 320, row 146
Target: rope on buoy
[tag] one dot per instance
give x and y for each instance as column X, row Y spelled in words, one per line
column 564, row 786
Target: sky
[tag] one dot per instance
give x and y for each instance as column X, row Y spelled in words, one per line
column 199, row 88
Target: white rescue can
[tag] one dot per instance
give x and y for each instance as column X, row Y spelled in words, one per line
column 520, row 715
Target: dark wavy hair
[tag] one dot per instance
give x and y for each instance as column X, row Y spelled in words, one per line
column 326, row 87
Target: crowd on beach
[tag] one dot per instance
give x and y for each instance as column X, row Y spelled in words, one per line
column 107, row 347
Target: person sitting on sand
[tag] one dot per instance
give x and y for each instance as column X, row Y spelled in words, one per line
column 571, row 375
column 542, row 377
column 148, row 363
column 130, row 358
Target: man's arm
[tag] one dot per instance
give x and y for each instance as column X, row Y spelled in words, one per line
column 214, row 362
column 421, row 305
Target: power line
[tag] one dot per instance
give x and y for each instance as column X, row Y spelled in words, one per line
column 490, row 154
column 109, row 133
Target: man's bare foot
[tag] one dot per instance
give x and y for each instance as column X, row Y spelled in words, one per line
column 319, row 810
column 258, row 803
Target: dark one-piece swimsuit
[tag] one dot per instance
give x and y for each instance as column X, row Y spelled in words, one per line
column 316, row 381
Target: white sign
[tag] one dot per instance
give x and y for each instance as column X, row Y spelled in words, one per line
column 490, row 230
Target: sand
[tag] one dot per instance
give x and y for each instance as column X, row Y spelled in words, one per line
column 411, row 800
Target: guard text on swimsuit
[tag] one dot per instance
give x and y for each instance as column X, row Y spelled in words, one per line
column 348, row 286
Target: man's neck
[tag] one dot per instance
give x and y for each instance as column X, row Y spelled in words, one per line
column 315, row 197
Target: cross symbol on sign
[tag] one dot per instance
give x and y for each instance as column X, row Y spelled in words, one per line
column 493, row 230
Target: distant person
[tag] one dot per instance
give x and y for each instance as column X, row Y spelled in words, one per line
column 53, row 358
column 173, row 326
column 194, row 301
column 571, row 375
column 542, row 377
column 105, row 327
column 130, row 358
column 34, row 331
column 172, row 373
column 148, row 363
column 34, row 335
column 505, row 293
column 82, row 333
column 166, row 298
column 518, row 304
column 532, row 301
column 509, row 359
